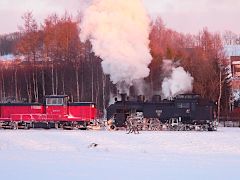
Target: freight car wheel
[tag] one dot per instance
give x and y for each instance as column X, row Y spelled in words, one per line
column 56, row 125
column 112, row 127
column 188, row 128
column 27, row 126
column 15, row 126
column 210, row 129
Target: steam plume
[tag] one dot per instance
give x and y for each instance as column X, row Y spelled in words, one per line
column 178, row 81
column 118, row 31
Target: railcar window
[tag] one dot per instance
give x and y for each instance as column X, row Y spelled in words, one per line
column 183, row 105
column 180, row 96
column 188, row 96
column 196, row 96
column 60, row 101
column 54, row 101
column 65, row 101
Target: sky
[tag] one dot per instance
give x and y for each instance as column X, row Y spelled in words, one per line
column 187, row 16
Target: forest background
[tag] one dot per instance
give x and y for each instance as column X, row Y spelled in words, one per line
column 51, row 59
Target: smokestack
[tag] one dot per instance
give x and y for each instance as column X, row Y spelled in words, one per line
column 141, row 98
column 123, row 97
column 156, row 98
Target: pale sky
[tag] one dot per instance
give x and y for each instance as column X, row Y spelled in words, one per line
column 188, row 16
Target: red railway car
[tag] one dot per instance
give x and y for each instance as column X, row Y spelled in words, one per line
column 55, row 112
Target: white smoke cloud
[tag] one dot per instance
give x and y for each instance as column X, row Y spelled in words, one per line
column 178, row 81
column 119, row 31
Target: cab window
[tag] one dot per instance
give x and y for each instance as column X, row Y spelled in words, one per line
column 54, row 101
column 183, row 105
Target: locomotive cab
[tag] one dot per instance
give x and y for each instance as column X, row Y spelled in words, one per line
column 57, row 104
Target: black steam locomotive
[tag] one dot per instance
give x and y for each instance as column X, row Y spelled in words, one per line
column 184, row 112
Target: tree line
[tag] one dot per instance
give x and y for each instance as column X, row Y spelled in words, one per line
column 57, row 62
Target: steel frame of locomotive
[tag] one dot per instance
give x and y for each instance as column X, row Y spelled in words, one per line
column 184, row 112
column 55, row 112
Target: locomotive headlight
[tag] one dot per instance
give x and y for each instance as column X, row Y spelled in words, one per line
column 93, row 106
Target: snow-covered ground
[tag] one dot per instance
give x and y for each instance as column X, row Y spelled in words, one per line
column 59, row 154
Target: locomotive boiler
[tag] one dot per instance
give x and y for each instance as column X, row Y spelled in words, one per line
column 184, row 112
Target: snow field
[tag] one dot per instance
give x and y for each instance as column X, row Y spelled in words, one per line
column 59, row 154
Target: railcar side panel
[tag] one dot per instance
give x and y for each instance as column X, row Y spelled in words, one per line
column 10, row 109
column 82, row 111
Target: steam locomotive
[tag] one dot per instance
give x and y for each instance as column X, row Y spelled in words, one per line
column 184, row 112
column 55, row 112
